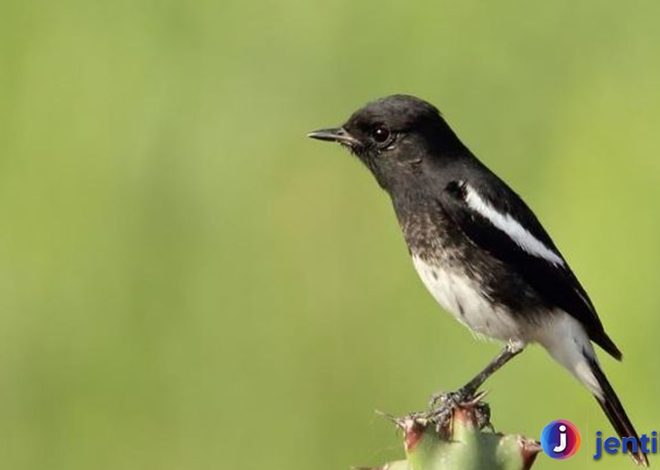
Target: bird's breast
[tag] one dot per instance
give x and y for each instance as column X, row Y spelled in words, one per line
column 461, row 294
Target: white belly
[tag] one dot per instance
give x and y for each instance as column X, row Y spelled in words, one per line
column 464, row 299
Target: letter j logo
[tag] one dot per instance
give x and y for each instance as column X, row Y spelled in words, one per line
column 560, row 439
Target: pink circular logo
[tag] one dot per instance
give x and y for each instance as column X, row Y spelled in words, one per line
column 560, row 439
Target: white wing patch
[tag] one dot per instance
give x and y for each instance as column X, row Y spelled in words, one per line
column 520, row 235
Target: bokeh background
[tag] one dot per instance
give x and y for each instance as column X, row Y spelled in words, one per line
column 187, row 282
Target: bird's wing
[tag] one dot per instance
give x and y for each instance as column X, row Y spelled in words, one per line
column 495, row 219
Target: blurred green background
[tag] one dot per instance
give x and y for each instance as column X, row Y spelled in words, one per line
column 187, row 282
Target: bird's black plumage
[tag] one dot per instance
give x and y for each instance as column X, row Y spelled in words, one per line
column 555, row 285
column 477, row 246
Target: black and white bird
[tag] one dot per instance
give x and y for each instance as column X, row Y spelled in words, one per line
column 477, row 247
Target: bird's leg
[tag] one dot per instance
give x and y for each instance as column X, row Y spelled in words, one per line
column 509, row 351
column 468, row 391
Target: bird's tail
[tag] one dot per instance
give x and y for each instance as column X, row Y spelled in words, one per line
column 567, row 341
column 613, row 409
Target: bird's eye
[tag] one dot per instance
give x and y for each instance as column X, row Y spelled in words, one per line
column 380, row 134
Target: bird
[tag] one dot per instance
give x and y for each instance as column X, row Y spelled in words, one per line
column 478, row 248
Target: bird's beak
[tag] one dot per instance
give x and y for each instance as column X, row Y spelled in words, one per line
column 338, row 134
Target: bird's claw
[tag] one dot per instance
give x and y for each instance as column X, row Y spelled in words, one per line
column 451, row 399
column 442, row 406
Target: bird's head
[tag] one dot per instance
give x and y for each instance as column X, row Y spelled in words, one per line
column 399, row 138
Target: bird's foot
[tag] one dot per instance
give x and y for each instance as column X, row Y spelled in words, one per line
column 443, row 405
column 450, row 399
